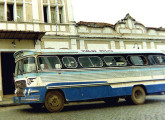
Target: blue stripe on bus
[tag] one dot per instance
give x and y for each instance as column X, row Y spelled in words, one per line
column 94, row 92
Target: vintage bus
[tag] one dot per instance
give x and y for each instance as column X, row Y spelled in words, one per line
column 52, row 78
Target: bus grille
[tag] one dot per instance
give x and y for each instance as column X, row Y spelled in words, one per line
column 20, row 85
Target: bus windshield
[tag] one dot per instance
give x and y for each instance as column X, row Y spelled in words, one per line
column 26, row 65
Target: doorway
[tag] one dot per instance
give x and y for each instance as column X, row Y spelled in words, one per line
column 8, row 68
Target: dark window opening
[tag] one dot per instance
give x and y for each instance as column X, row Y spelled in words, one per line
column 60, row 15
column 45, row 14
column 8, row 68
column 10, row 15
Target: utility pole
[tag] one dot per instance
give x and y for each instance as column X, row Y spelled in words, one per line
column 56, row 16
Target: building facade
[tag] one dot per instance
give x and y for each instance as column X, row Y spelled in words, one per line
column 31, row 24
column 125, row 34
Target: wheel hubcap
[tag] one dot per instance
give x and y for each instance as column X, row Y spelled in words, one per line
column 138, row 94
column 54, row 101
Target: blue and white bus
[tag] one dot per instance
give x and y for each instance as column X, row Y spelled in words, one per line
column 52, row 78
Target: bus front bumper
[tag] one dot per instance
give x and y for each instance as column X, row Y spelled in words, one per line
column 26, row 100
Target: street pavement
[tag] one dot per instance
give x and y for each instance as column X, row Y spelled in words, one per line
column 153, row 109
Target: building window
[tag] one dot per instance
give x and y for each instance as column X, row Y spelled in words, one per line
column 45, row 14
column 1, row 11
column 10, row 15
column 53, row 14
column 19, row 13
column 60, row 15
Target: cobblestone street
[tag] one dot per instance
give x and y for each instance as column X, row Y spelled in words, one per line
column 154, row 109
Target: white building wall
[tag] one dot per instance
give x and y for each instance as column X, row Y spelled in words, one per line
column 35, row 10
column 56, row 45
column 97, row 46
column 1, row 95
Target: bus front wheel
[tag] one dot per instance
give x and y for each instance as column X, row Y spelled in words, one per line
column 54, row 101
column 138, row 96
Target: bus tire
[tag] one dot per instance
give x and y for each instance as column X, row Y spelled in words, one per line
column 138, row 96
column 54, row 101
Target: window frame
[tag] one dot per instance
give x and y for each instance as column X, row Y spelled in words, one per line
column 39, row 69
column 45, row 16
column 22, row 17
column 90, row 61
column 67, row 58
column 156, row 61
column 144, row 59
column 21, row 61
column 125, row 62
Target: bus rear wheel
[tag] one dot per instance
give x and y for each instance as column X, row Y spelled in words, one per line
column 138, row 96
column 54, row 101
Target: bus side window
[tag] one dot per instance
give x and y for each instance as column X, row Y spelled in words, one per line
column 115, row 61
column 156, row 59
column 69, row 62
column 96, row 61
column 90, row 61
column 161, row 59
column 137, row 60
column 153, row 60
column 85, row 62
column 49, row 62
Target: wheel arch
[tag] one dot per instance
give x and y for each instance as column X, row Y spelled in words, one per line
column 59, row 90
column 141, row 85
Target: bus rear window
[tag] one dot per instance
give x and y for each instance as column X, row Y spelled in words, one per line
column 90, row 61
column 114, row 61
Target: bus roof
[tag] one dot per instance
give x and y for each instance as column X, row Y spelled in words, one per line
column 23, row 53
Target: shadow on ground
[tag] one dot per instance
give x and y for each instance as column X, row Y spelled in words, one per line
column 91, row 105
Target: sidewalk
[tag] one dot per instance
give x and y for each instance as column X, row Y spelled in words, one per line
column 7, row 100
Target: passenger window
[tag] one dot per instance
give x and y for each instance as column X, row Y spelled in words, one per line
column 49, row 62
column 90, row 61
column 156, row 59
column 69, row 62
column 114, row 61
column 96, row 61
column 85, row 62
column 137, row 60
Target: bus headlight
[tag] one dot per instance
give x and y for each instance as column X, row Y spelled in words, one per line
column 29, row 92
column 25, row 92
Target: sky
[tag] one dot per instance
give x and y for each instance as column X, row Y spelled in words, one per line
column 151, row 13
